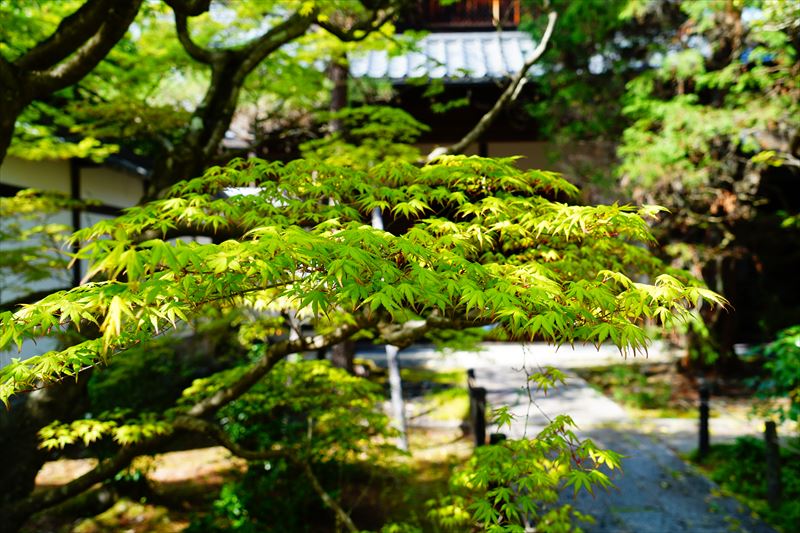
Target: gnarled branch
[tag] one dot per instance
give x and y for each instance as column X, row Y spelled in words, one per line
column 191, row 8
column 274, row 354
column 326, row 498
column 404, row 334
column 85, row 58
column 256, row 50
column 360, row 30
column 16, row 513
column 73, row 32
column 216, row 433
column 39, row 501
column 7, row 77
column 195, row 51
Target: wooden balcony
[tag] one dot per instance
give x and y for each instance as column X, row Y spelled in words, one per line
column 466, row 15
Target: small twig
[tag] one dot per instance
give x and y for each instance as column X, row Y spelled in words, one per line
column 204, row 427
column 326, row 498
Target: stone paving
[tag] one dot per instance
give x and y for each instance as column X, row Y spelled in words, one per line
column 656, row 493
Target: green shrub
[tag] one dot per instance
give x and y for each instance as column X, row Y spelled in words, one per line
column 740, row 468
column 782, row 362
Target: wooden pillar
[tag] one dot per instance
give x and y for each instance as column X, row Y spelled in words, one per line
column 338, row 72
column 477, row 410
column 773, row 464
column 75, row 194
column 396, row 391
column 704, row 444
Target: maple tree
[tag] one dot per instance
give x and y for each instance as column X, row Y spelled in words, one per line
column 472, row 241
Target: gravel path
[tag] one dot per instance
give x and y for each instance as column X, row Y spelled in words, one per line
column 656, row 493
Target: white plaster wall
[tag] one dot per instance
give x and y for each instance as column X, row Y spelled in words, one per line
column 45, row 175
column 107, row 185
column 110, row 186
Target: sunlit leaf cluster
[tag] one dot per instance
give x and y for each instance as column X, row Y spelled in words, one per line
column 516, row 484
column 471, row 240
column 122, row 430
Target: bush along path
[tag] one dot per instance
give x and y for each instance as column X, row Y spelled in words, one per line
column 656, row 492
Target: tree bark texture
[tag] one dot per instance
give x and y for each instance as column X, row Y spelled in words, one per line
column 19, row 439
column 230, row 67
column 74, row 49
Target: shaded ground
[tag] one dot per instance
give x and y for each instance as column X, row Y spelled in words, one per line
column 179, row 483
column 184, row 485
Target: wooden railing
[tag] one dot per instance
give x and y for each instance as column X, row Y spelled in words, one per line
column 465, row 15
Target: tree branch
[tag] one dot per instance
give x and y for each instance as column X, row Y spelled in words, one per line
column 405, row 334
column 42, row 500
column 86, row 58
column 255, row 51
column 211, row 119
column 359, row 31
column 326, row 498
column 195, row 51
column 400, row 335
column 508, row 96
column 73, row 31
column 7, row 73
column 19, row 511
column 209, row 429
column 274, row 354
column 190, row 8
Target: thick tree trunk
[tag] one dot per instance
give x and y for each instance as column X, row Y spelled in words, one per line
column 202, row 142
column 338, row 73
column 6, row 132
column 11, row 105
column 19, row 439
column 342, row 355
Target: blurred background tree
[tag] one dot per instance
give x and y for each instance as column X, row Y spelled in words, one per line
column 701, row 102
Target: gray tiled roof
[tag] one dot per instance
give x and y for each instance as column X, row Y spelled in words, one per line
column 462, row 57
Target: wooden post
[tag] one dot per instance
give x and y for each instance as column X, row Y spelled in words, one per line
column 773, row 460
column 477, row 410
column 497, row 438
column 75, row 194
column 705, row 395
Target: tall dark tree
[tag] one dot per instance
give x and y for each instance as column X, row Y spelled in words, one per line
column 715, row 137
